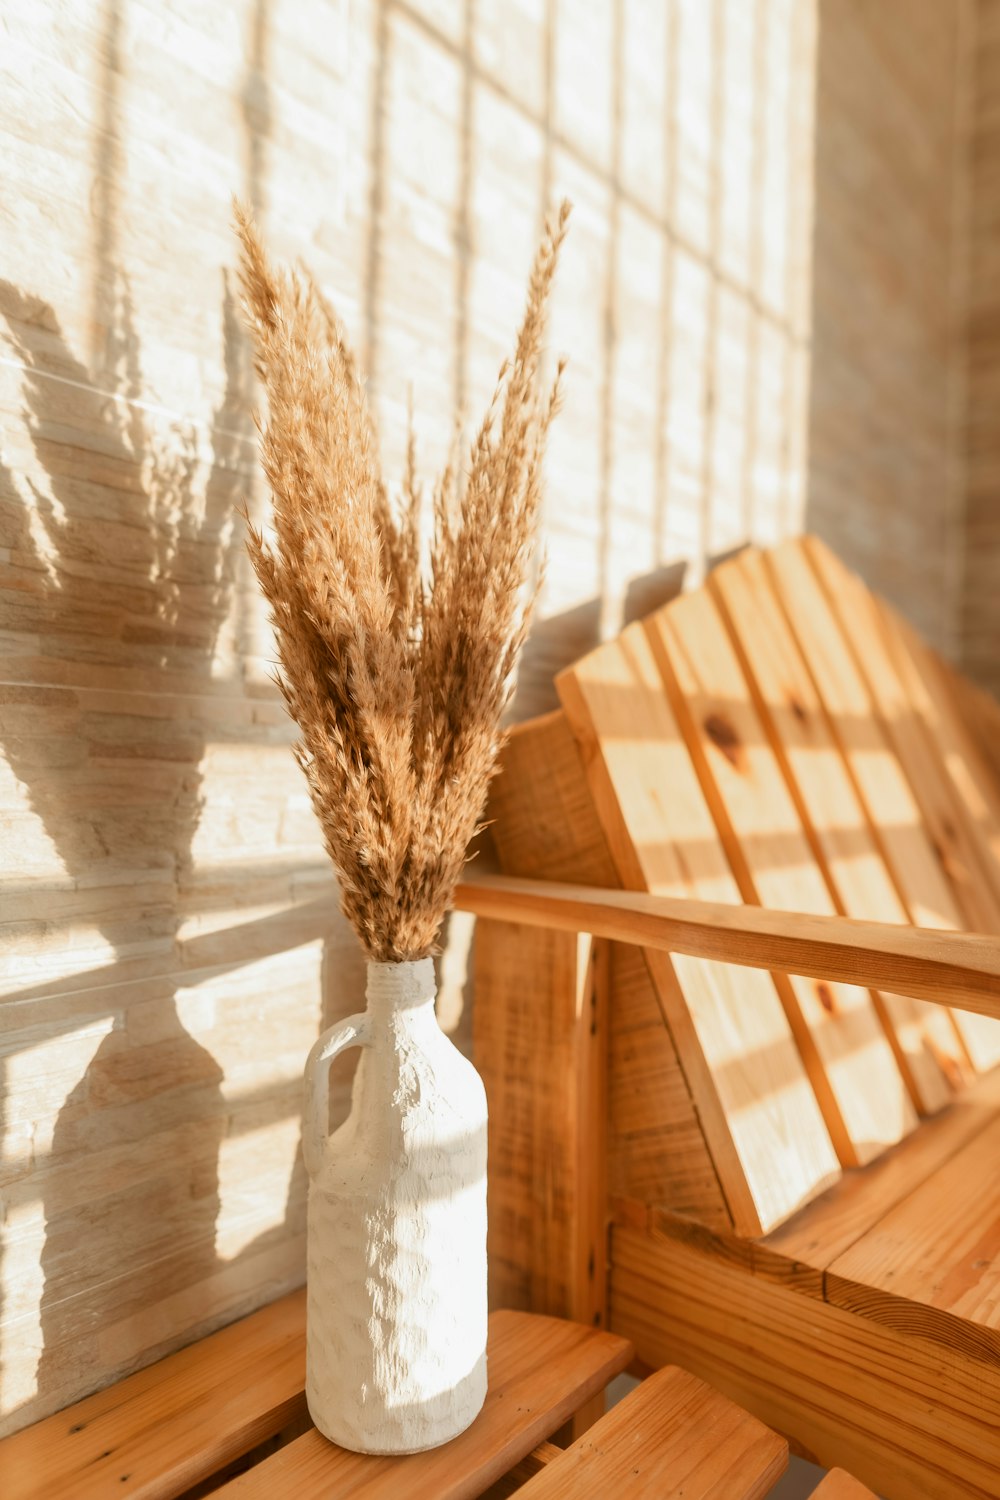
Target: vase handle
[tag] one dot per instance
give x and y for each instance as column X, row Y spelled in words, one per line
column 354, row 1032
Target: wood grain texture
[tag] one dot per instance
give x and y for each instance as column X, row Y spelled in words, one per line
column 928, row 1048
column 734, row 1040
column 542, row 818
column 911, row 1418
column 919, row 755
column 882, row 781
column 829, row 1227
column 543, row 823
column 850, row 1063
column 540, row 1044
column 903, row 710
column 929, row 1265
column 540, row 1371
column 159, row 1432
column 948, row 968
column 656, row 1148
column 671, row 1439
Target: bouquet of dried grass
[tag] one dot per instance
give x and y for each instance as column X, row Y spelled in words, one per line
column 397, row 677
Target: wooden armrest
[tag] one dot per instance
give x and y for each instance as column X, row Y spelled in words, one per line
column 949, row 968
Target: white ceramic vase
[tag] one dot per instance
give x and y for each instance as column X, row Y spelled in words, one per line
column 396, row 1325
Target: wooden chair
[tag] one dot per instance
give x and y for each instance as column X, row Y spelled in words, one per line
column 738, row 1048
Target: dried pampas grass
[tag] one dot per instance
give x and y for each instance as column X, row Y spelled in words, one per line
column 397, row 677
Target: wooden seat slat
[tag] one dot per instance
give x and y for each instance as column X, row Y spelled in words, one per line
column 541, row 1370
column 157, row 1433
column 827, row 1229
column 936, row 1251
column 673, row 1438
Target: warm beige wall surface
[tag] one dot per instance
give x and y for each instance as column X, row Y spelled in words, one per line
column 980, row 576
column 169, row 938
column 885, row 484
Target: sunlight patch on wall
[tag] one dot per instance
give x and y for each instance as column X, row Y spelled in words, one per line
column 255, row 1173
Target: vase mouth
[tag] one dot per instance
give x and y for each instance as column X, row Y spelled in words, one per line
column 401, row 985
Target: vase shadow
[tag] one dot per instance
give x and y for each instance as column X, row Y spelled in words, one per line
column 126, row 561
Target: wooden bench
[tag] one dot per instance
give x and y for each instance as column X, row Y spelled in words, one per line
column 227, row 1417
column 739, row 1049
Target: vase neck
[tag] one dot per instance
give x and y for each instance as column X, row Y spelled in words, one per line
column 395, row 988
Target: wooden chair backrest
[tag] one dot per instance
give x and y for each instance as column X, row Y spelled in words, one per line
column 780, row 737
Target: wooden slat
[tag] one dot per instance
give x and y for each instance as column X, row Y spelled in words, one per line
column 949, row 968
column 828, row 1228
column 656, row 1149
column 541, row 814
column 915, row 1420
column 927, row 1045
column 540, row 1371
column 839, row 1485
column 850, row 1063
column 863, row 623
column 543, row 823
column 673, row 1438
column 161, row 1431
column 767, row 1136
column 885, row 792
column 540, row 1036
column 882, row 783
column 799, row 1252
column 932, row 1263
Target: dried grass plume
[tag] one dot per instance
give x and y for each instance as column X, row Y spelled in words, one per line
column 396, row 674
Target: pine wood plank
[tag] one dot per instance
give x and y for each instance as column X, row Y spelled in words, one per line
column 656, row 1149
column 949, row 968
column 159, row 1432
column 927, row 1045
column 931, row 1264
column 543, row 823
column 673, row 1438
column 540, row 1371
column 882, row 782
column 920, row 757
column 767, row 1136
column 864, row 627
column 540, row 1038
column 540, row 1033
column 827, row 1229
column 911, row 1418
column 850, row 1063
column 839, row 1485
column 541, row 815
